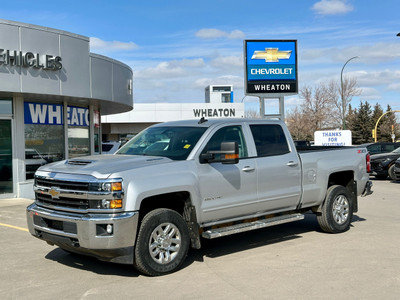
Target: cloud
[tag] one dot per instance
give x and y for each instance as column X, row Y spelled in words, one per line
column 236, row 81
column 368, row 93
column 211, row 33
column 170, row 69
column 332, row 7
column 387, row 78
column 369, row 54
column 232, row 63
column 106, row 46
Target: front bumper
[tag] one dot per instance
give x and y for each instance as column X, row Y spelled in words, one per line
column 86, row 233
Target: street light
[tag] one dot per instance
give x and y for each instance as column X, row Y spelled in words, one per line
column 341, row 86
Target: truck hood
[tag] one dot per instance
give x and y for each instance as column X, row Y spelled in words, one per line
column 102, row 166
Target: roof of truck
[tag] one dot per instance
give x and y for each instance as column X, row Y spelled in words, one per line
column 215, row 121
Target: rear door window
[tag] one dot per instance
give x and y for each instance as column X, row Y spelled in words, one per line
column 269, row 139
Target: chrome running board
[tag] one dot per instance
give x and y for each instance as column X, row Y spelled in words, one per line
column 243, row 227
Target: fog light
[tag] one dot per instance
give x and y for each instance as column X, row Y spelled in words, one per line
column 105, row 203
column 109, row 229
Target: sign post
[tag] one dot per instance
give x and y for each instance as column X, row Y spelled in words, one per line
column 270, row 71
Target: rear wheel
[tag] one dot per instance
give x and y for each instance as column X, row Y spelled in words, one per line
column 162, row 243
column 337, row 210
column 391, row 172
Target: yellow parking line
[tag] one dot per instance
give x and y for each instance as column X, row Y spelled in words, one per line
column 15, row 227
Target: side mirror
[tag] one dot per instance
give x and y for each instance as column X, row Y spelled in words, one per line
column 229, row 154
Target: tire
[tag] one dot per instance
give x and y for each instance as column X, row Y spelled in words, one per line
column 391, row 172
column 162, row 243
column 337, row 210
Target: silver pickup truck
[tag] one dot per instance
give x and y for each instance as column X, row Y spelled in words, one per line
column 178, row 182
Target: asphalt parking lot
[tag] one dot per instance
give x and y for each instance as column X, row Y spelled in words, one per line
column 290, row 261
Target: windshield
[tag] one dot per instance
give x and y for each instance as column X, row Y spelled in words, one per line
column 397, row 150
column 172, row 142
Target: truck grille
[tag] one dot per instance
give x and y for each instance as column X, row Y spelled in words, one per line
column 75, row 192
column 65, row 185
column 72, row 203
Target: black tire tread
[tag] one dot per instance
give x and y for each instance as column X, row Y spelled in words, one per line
column 325, row 218
column 391, row 172
column 140, row 259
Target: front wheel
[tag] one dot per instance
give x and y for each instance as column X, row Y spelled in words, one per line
column 162, row 242
column 337, row 210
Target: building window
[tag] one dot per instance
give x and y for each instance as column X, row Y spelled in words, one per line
column 5, row 107
column 43, row 144
column 78, row 131
column 78, row 141
column 221, row 89
column 6, row 176
column 96, row 131
column 44, row 135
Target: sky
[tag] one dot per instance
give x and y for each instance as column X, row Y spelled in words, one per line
column 176, row 48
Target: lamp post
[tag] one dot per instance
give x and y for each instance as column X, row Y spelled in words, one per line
column 341, row 91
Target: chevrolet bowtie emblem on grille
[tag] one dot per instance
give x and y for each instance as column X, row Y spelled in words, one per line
column 271, row 55
column 54, row 192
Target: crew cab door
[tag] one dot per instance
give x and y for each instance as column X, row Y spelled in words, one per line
column 226, row 189
column 278, row 169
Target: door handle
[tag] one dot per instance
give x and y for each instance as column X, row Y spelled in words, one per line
column 248, row 169
column 292, row 164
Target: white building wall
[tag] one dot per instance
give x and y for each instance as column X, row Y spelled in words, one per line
column 164, row 112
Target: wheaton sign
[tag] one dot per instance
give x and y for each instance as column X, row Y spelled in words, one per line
column 216, row 112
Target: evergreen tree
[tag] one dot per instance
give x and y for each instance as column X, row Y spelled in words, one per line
column 377, row 113
column 363, row 125
column 351, row 118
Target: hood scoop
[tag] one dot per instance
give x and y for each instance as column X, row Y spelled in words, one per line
column 79, row 162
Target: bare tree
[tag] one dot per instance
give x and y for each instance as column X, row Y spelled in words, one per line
column 252, row 114
column 299, row 125
column 347, row 91
column 318, row 105
column 322, row 108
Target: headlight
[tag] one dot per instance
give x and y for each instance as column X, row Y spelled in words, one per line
column 109, row 193
column 114, row 185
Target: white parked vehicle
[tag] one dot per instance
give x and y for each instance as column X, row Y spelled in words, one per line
column 179, row 181
column 110, row 147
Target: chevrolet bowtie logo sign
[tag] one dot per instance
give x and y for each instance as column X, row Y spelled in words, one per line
column 271, row 55
column 54, row 192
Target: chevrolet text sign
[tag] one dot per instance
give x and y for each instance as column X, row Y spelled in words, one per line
column 271, row 66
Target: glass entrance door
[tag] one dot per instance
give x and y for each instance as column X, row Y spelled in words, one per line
column 6, row 176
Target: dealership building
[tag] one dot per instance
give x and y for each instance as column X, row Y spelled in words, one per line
column 53, row 92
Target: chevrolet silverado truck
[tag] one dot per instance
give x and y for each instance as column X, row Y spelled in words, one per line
column 178, row 182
